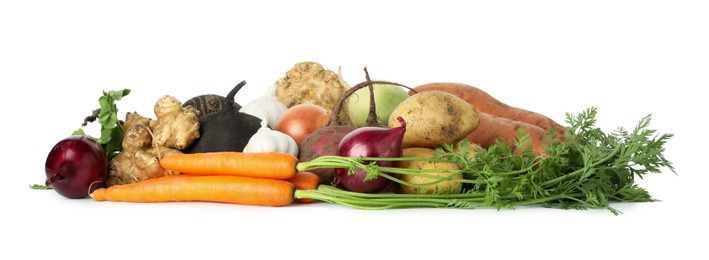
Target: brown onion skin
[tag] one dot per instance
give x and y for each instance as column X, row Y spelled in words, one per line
column 301, row 120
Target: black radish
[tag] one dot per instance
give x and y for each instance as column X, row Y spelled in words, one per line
column 211, row 103
column 225, row 129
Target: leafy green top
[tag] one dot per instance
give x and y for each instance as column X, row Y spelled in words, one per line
column 584, row 168
column 111, row 127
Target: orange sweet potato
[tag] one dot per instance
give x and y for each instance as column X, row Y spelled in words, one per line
column 493, row 127
column 486, row 103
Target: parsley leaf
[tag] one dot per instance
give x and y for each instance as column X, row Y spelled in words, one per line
column 111, row 127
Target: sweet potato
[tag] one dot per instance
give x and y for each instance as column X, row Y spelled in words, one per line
column 493, row 127
column 486, row 103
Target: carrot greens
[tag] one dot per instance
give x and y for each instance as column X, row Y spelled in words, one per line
column 584, row 168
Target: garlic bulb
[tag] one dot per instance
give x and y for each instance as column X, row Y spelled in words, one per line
column 266, row 107
column 267, row 140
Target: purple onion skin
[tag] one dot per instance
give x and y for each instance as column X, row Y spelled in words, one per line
column 76, row 166
column 369, row 142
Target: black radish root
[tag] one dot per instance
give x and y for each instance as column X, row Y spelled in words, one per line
column 211, row 103
column 225, row 129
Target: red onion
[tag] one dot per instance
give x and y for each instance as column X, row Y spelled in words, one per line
column 76, row 166
column 369, row 141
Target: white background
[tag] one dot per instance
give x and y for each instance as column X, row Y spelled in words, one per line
column 628, row 58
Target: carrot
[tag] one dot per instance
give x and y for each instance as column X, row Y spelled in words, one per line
column 486, row 103
column 272, row 165
column 492, row 128
column 305, row 181
column 184, row 188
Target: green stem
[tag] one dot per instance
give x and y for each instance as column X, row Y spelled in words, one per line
column 40, row 187
column 332, row 161
column 357, row 162
column 538, row 200
column 333, row 190
column 403, row 159
column 327, row 162
column 355, row 202
column 438, row 179
column 372, row 203
column 580, row 171
column 390, row 201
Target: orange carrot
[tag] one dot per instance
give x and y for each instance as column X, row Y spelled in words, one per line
column 184, row 188
column 272, row 165
column 305, row 181
column 486, row 103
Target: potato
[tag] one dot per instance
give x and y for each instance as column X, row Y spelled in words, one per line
column 435, row 118
column 472, row 150
column 441, row 187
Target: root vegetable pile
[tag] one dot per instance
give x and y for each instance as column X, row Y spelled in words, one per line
column 587, row 169
column 447, row 145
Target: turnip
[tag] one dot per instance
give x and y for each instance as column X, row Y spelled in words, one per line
column 326, row 140
column 386, row 98
column 76, row 166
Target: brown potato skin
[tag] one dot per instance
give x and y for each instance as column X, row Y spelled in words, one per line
column 434, row 118
column 451, row 186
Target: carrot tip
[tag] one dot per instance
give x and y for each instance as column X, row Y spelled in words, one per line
column 98, row 194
